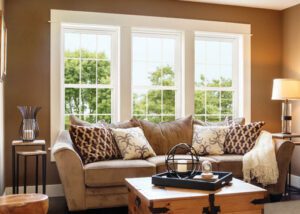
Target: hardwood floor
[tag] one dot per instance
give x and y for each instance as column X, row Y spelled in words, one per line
column 58, row 205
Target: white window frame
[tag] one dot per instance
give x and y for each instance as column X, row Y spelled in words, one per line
column 126, row 23
column 237, row 72
column 102, row 30
column 158, row 33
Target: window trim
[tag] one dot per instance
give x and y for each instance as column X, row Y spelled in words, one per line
column 125, row 23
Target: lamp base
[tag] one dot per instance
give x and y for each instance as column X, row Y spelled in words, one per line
column 286, row 118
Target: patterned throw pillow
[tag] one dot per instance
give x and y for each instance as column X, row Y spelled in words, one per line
column 209, row 140
column 241, row 139
column 93, row 143
column 132, row 143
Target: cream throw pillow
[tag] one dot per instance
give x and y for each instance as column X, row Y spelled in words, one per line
column 132, row 143
column 209, row 140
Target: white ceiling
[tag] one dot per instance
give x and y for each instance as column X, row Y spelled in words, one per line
column 267, row 4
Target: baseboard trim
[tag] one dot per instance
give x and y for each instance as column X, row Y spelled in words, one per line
column 52, row 190
column 295, row 181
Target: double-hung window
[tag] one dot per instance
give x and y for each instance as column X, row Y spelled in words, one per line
column 89, row 65
column 216, row 77
column 156, row 70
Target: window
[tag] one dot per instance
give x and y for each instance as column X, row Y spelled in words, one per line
column 89, row 76
column 111, row 67
column 155, row 75
column 216, row 76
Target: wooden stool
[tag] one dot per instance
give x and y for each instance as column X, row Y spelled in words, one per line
column 24, row 203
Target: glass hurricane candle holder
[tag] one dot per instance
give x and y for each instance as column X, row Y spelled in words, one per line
column 206, row 170
column 29, row 128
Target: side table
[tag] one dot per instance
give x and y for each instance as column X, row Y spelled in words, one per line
column 25, row 155
column 24, row 203
column 289, row 137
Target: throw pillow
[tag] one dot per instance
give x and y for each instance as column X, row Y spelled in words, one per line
column 93, row 143
column 209, row 140
column 132, row 143
column 241, row 139
column 163, row 136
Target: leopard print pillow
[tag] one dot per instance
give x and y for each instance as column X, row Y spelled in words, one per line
column 94, row 143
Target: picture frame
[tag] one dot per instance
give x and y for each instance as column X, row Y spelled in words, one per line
column 3, row 48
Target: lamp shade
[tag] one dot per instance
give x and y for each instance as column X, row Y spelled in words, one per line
column 286, row 89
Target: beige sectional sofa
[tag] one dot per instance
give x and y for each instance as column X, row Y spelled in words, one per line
column 101, row 184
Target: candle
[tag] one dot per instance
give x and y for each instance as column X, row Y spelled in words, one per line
column 182, row 165
column 28, row 135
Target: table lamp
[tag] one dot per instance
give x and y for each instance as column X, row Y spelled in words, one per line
column 286, row 90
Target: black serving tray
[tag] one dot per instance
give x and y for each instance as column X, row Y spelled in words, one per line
column 171, row 180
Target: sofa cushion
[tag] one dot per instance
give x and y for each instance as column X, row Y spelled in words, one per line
column 132, row 143
column 230, row 163
column 226, row 122
column 163, row 136
column 113, row 172
column 159, row 161
column 124, row 125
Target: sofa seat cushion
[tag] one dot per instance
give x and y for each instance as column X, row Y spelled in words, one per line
column 159, row 161
column 230, row 163
column 113, row 172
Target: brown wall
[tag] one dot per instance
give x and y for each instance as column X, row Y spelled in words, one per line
column 291, row 67
column 28, row 81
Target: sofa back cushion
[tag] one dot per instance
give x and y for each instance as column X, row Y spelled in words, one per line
column 94, row 143
column 226, row 122
column 163, row 136
column 123, row 125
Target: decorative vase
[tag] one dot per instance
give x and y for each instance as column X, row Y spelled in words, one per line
column 29, row 128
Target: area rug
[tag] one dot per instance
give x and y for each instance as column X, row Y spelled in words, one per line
column 285, row 207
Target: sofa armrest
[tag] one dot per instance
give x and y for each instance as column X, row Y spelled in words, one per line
column 70, row 168
column 284, row 151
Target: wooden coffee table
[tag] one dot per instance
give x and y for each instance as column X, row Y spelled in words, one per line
column 143, row 197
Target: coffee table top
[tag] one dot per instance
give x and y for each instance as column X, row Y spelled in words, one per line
column 151, row 192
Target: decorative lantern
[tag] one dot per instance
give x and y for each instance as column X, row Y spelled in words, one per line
column 177, row 165
column 29, row 128
column 207, row 170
